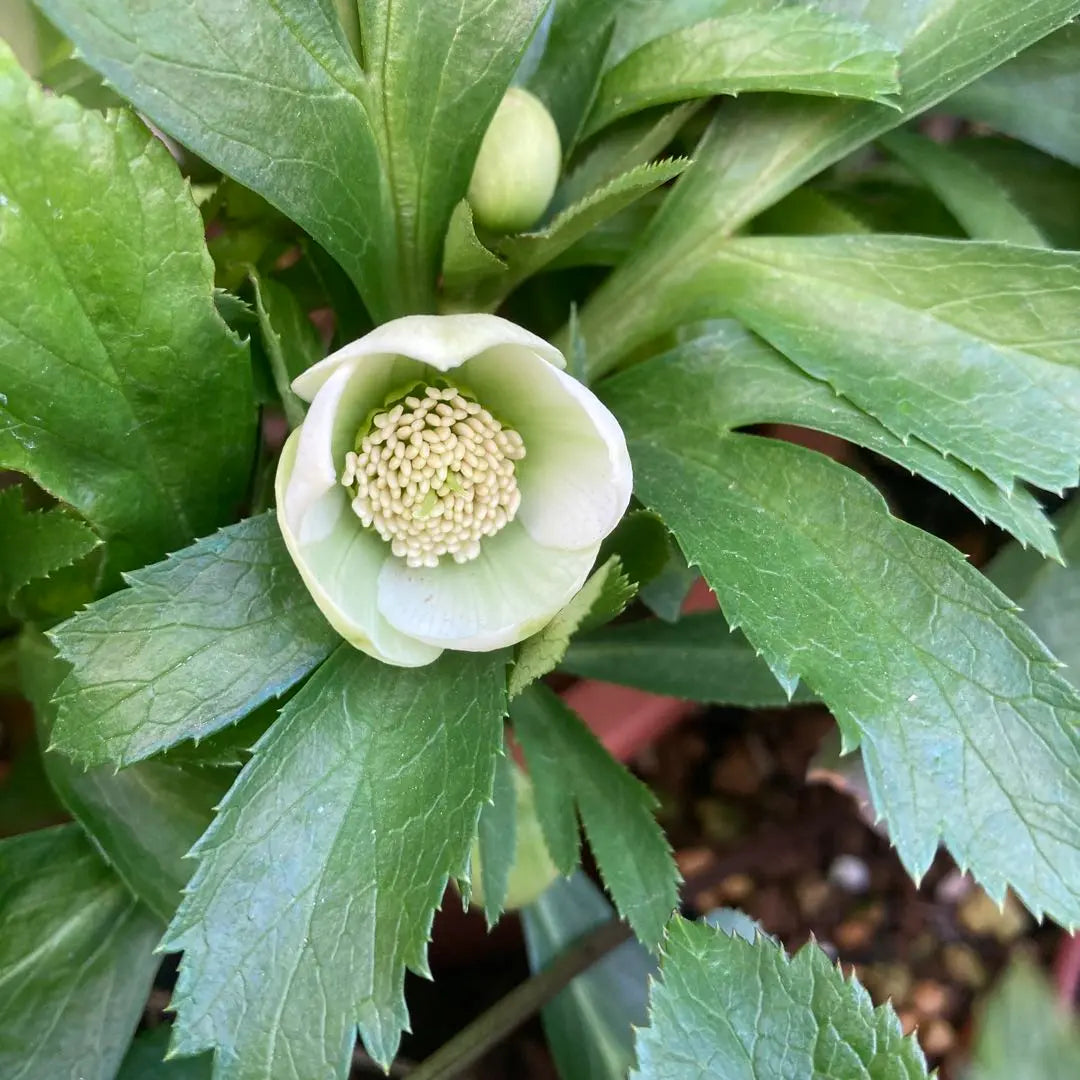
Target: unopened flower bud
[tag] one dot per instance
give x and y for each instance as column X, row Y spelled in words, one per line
column 518, row 165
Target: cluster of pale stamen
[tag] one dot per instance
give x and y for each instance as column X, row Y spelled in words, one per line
column 433, row 475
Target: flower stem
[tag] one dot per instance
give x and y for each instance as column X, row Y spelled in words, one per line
column 488, row 1029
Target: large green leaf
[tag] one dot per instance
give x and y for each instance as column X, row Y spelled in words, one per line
column 923, row 662
column 760, row 147
column 969, row 347
column 435, row 76
column 730, row 1008
column 1047, row 593
column 34, row 543
column 747, row 382
column 568, row 73
column 1024, row 1033
column 124, row 394
column 196, row 642
column 698, row 658
column 795, row 49
column 222, row 78
column 76, row 959
column 326, row 861
column 974, row 197
column 569, row 767
column 143, row 819
column 589, row 1024
column 1034, row 97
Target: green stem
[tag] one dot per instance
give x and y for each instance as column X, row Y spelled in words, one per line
column 491, row 1027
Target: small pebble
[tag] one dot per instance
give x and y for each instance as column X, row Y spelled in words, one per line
column 930, row 998
column 963, row 965
column 937, row 1037
column 850, row 873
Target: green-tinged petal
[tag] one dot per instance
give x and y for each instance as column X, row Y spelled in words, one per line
column 443, row 342
column 575, row 479
column 341, row 569
column 313, row 500
column 508, row 592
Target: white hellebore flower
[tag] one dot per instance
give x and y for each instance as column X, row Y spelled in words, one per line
column 449, row 487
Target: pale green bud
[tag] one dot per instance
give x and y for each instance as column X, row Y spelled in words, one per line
column 532, row 871
column 518, row 165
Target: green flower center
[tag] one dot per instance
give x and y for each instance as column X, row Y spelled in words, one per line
column 434, row 474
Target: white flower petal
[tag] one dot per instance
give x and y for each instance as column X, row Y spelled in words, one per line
column 511, row 590
column 341, row 571
column 328, row 433
column 440, row 341
column 576, row 478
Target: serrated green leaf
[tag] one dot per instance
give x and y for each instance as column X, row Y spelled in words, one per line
column 970, row 347
column 145, row 1060
column 1023, row 1032
column 326, row 861
column 760, row 147
column 973, row 197
column 34, row 543
column 698, row 658
column 635, row 141
column 465, row 259
column 922, row 661
column 496, row 838
column 796, row 49
column 1047, row 593
column 568, row 73
column 589, row 1025
column 528, row 253
column 196, row 642
column 289, row 340
column 569, row 767
column 747, row 382
column 726, row 1007
column 601, row 598
column 235, row 311
column 143, row 819
column 1034, row 97
column 230, row 747
column 76, row 959
column 106, row 302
